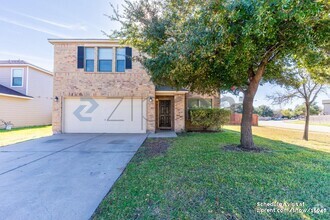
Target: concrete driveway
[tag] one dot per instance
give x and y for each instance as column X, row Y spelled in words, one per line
column 63, row 176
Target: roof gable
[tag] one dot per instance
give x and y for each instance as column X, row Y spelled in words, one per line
column 10, row 92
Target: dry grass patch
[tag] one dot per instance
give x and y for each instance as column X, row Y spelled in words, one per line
column 23, row 134
column 317, row 141
column 303, row 122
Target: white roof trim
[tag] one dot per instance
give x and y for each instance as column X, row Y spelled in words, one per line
column 28, row 65
column 15, row 96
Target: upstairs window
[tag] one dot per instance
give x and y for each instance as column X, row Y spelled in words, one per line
column 199, row 103
column 105, row 60
column 17, row 78
column 89, row 59
column 120, row 59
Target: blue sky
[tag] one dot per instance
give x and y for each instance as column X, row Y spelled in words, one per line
column 26, row 25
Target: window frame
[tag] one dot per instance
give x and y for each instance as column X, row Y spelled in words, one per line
column 98, row 59
column 187, row 111
column 11, row 79
column 199, row 102
column 85, row 59
column 116, row 68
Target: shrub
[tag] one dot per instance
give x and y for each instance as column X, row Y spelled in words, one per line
column 211, row 117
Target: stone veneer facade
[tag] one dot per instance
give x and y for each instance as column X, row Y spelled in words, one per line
column 69, row 81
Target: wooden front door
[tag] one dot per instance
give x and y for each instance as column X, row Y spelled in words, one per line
column 165, row 120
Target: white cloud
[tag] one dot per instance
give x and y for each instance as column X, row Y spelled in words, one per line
column 38, row 61
column 54, row 23
column 39, row 29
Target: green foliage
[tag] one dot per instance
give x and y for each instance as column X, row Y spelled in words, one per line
column 210, row 117
column 237, row 108
column 207, row 45
column 210, row 45
column 301, row 109
column 264, row 111
column 289, row 113
column 315, row 109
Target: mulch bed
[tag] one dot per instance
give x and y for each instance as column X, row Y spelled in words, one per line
column 237, row 148
column 156, row 146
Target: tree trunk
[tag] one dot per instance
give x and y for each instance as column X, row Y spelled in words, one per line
column 246, row 124
column 306, row 121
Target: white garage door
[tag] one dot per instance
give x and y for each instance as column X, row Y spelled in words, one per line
column 88, row 115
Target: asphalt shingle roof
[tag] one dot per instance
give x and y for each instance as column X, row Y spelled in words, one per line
column 23, row 63
column 13, row 62
column 8, row 91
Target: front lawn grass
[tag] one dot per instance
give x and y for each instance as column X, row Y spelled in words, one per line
column 23, row 134
column 197, row 179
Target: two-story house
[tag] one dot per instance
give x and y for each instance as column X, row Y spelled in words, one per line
column 98, row 88
column 25, row 93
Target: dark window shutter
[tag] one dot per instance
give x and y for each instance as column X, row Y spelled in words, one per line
column 80, row 60
column 128, row 58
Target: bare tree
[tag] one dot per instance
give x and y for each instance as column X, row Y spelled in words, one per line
column 299, row 86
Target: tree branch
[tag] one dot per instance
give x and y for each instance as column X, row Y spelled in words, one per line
column 280, row 98
column 305, row 92
column 316, row 93
column 251, row 74
column 265, row 59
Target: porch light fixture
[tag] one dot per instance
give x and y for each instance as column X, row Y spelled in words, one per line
column 151, row 98
column 56, row 99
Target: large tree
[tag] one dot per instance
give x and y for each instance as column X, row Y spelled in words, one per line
column 299, row 85
column 210, row 45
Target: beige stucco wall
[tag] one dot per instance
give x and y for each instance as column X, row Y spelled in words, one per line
column 29, row 112
column 22, row 112
column 72, row 82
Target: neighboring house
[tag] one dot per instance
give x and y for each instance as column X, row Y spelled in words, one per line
column 326, row 108
column 25, row 93
column 98, row 89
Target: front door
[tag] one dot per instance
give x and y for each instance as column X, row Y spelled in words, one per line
column 165, row 121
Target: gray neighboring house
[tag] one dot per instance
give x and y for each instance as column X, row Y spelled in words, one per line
column 26, row 93
column 326, row 108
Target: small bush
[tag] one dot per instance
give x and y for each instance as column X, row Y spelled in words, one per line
column 211, row 117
